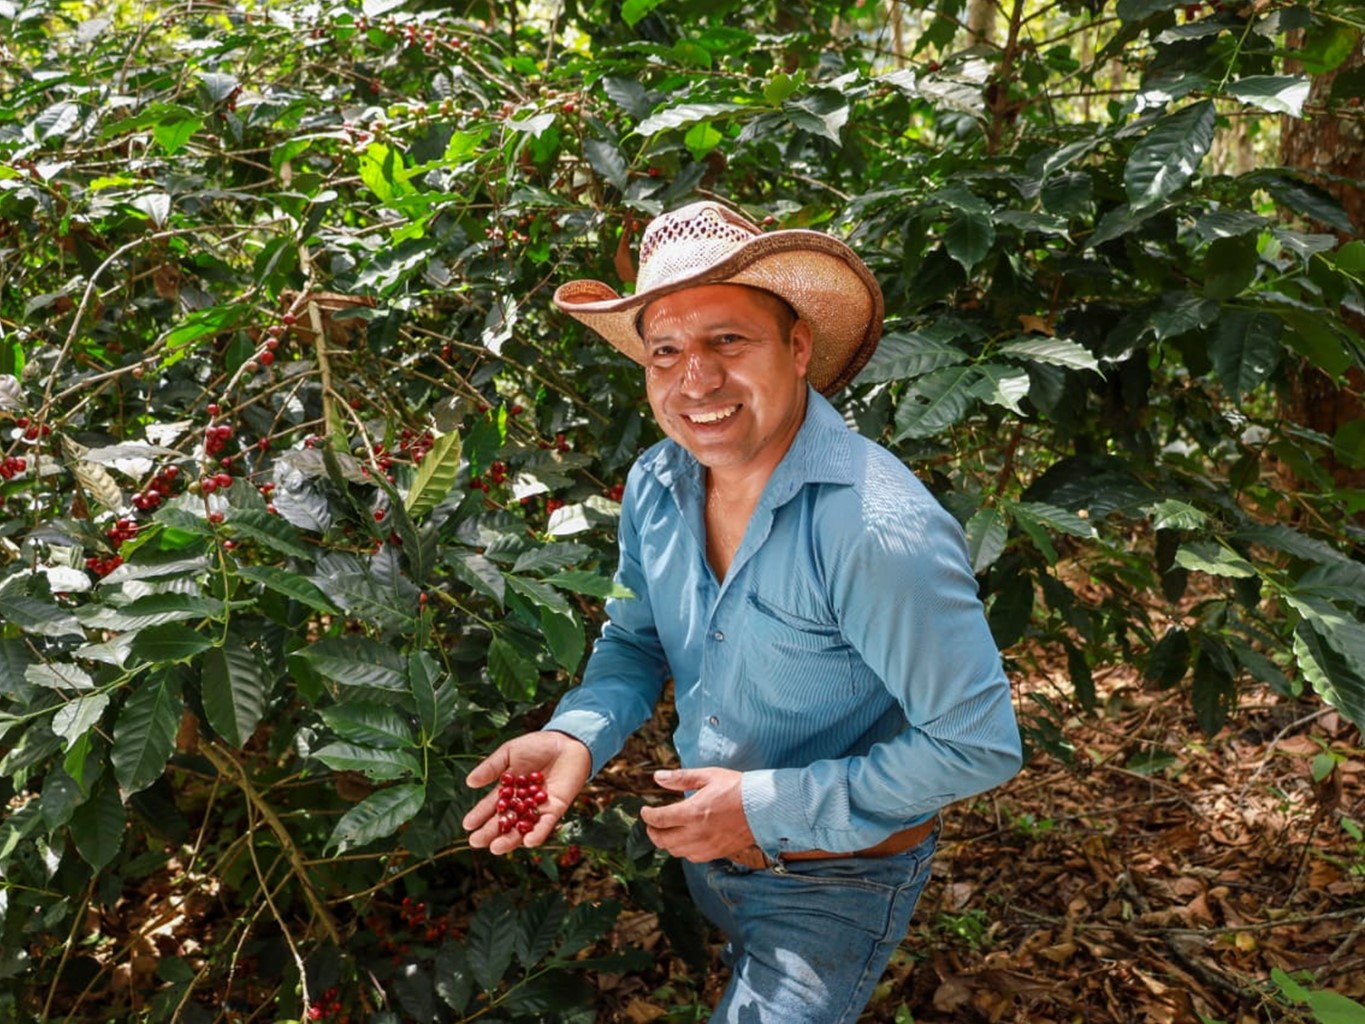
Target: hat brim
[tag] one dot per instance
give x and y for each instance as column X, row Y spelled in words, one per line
column 821, row 278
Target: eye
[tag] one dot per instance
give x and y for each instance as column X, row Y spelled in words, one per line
column 728, row 339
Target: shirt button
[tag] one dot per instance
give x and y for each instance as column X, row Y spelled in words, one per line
column 718, row 636
column 714, row 720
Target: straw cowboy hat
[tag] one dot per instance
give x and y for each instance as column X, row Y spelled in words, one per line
column 821, row 278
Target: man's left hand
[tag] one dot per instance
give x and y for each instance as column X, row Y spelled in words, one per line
column 708, row 824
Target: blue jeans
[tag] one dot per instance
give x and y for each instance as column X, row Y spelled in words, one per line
column 808, row 945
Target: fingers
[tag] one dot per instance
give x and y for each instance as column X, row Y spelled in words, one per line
column 489, row 769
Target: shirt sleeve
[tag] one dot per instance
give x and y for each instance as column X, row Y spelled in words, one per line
column 901, row 585
column 627, row 668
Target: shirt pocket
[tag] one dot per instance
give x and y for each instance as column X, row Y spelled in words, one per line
column 793, row 662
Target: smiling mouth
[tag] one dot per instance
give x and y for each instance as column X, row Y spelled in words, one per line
column 712, row 416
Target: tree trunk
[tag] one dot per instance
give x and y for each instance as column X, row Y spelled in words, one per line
column 1330, row 149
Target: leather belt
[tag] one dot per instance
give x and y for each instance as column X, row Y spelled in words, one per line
column 896, row 842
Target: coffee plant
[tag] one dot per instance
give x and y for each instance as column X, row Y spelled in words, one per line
column 309, row 495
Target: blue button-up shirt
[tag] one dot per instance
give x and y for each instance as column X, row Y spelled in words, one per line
column 844, row 664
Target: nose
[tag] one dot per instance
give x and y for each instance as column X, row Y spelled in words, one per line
column 701, row 373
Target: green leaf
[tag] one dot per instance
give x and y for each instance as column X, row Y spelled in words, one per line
column 701, row 138
column 904, row 355
column 540, row 594
column 381, row 764
column 35, row 616
column 1328, row 673
column 479, row 574
column 172, row 134
column 357, row 661
column 1322, row 340
column 935, row 402
column 1327, row 45
column 383, row 172
column 379, row 815
column 97, row 827
column 152, row 610
column 987, row 530
column 234, row 691
column 454, row 980
column 1169, row 658
column 76, row 717
column 1343, row 633
column 580, row 581
column 585, row 924
column 170, row 642
column 1213, row 693
column 1139, row 10
column 1230, row 266
column 1005, row 386
column 1279, row 94
column 370, row 725
column 1214, row 560
column 435, row 476
column 1246, row 349
column 550, row 557
column 565, row 637
column 59, row 675
column 514, row 676
column 1168, row 156
column 823, row 112
column 1054, row 351
column 605, row 158
column 1170, row 514
column 1054, row 518
column 291, row 585
column 144, row 736
column 969, row 238
column 537, row 926
column 633, row 10
column 685, row 114
column 271, row 531
column 492, row 939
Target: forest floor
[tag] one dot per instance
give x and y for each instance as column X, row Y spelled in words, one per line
column 1160, row 877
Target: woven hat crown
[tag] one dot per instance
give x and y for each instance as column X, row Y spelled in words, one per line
column 680, row 244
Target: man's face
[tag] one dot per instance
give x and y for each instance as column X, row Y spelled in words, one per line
column 725, row 371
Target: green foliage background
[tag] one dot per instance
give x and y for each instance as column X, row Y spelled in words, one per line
column 311, row 247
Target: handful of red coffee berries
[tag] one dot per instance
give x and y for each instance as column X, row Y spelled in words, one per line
column 519, row 800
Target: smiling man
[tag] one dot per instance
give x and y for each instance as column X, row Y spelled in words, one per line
column 835, row 681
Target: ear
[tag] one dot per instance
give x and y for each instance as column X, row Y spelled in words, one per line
column 801, row 346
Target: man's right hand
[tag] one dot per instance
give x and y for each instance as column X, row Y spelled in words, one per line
column 564, row 761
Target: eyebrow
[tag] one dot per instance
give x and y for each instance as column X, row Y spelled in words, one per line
column 727, row 326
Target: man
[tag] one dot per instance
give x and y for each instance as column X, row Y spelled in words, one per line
column 835, row 680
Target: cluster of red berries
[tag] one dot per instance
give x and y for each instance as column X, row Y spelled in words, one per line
column 102, row 567
column 267, row 489
column 123, row 529
column 32, row 431
column 329, row 1005
column 410, row 443
column 553, row 505
column 215, row 482
column 158, row 489
column 497, row 475
column 12, row 466
column 414, row 915
column 519, row 801
column 217, row 436
column 616, row 492
column 571, row 856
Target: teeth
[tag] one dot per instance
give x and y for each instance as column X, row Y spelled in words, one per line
column 713, row 417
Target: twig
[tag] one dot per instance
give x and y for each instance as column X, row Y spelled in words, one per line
column 229, row 766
